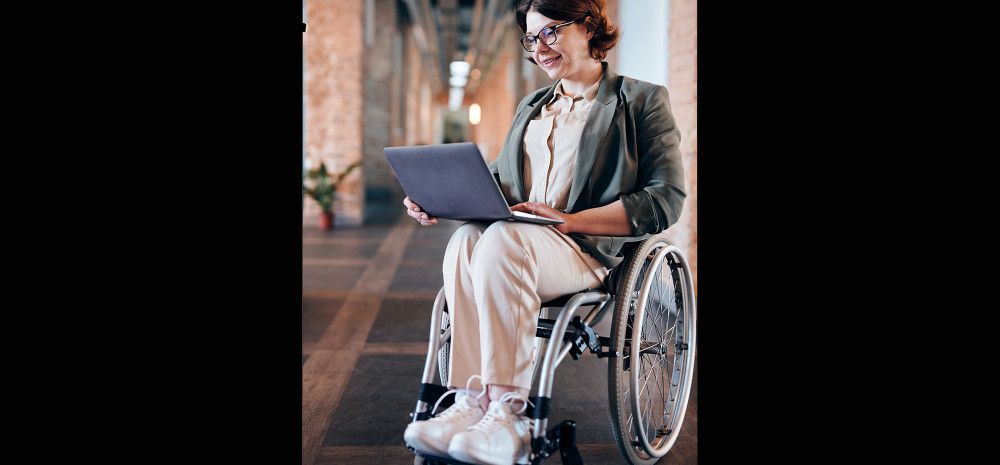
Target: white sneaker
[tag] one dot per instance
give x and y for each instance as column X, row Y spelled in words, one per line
column 432, row 436
column 502, row 437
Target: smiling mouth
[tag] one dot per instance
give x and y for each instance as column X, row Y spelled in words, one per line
column 550, row 60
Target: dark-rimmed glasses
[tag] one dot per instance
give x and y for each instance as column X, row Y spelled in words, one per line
column 547, row 35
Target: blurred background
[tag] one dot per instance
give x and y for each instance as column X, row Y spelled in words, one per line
column 381, row 73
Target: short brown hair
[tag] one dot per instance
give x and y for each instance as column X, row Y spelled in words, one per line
column 605, row 32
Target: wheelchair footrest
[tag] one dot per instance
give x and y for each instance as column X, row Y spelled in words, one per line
column 430, row 393
column 561, row 437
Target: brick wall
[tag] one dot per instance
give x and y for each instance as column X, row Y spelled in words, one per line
column 497, row 96
column 683, row 86
column 334, row 86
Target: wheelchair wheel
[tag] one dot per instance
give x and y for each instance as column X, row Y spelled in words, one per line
column 653, row 332
column 445, row 351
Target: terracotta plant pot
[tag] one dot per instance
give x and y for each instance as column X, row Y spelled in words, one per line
column 326, row 221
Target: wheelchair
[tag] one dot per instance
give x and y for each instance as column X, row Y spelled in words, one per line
column 650, row 354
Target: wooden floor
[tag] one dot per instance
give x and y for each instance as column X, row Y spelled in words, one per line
column 367, row 297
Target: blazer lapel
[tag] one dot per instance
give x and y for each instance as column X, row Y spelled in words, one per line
column 597, row 126
column 517, row 144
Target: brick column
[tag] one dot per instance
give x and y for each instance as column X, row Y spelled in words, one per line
column 412, row 79
column 683, row 86
column 497, row 96
column 334, row 50
column 380, row 44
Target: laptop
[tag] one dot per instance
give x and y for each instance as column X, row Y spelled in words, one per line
column 452, row 181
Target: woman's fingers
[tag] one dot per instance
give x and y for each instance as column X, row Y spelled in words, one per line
column 421, row 216
column 410, row 205
column 415, row 212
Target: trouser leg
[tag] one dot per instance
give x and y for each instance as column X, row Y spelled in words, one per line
column 464, row 358
column 514, row 268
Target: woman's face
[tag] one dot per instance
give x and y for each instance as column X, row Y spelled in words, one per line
column 569, row 55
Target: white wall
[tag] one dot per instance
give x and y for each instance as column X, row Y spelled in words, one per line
column 642, row 49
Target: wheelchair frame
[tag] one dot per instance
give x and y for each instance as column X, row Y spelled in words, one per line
column 575, row 335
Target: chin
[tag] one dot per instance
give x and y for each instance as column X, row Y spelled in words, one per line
column 554, row 74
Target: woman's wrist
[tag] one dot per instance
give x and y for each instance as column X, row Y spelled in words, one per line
column 569, row 222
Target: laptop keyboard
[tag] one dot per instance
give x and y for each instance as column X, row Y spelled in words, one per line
column 527, row 215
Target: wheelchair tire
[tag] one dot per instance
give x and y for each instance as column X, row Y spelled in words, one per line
column 656, row 292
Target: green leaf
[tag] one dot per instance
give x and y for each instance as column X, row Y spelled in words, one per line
column 324, row 189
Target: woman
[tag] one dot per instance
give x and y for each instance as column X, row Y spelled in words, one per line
column 596, row 150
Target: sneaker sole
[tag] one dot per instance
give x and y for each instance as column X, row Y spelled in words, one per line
column 423, row 446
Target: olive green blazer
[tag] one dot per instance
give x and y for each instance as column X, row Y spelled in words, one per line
column 629, row 150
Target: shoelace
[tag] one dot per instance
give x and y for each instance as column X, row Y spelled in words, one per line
column 492, row 419
column 454, row 391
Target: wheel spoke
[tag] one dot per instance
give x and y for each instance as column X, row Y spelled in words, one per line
column 664, row 394
column 658, row 301
column 648, row 423
column 648, row 414
column 631, row 427
column 643, row 378
column 655, row 318
column 646, row 398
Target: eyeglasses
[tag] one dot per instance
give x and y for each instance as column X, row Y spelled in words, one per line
column 547, row 35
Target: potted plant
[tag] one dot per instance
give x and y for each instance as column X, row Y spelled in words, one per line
column 323, row 189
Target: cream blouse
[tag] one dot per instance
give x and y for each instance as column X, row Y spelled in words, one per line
column 551, row 142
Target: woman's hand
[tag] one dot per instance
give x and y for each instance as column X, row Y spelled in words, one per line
column 542, row 209
column 417, row 213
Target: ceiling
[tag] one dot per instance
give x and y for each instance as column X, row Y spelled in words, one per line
column 452, row 30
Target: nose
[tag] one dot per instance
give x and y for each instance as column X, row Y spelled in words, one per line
column 539, row 48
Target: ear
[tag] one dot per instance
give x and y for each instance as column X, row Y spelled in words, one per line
column 590, row 27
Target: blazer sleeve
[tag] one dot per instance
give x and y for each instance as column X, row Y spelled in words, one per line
column 660, row 199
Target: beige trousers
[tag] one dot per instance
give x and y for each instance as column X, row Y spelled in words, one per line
column 496, row 275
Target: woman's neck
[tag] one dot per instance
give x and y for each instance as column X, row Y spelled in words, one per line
column 577, row 84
